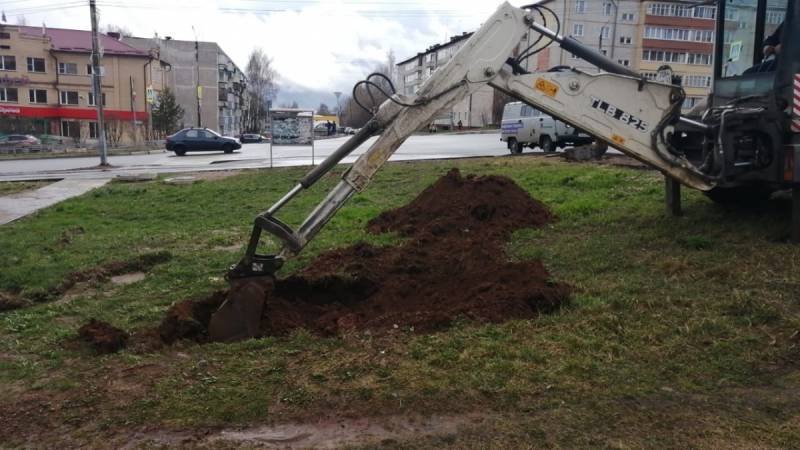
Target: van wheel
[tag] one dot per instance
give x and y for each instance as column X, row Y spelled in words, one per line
column 547, row 144
column 514, row 146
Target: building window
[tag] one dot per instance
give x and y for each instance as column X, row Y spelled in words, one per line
column 604, row 52
column 91, row 99
column 775, row 17
column 580, row 6
column 689, row 102
column 731, row 13
column 604, row 32
column 5, row 35
column 698, row 81
column 703, row 59
column 69, row 97
column 8, row 95
column 71, row 128
column 573, row 56
column 89, row 70
column 68, row 68
column 37, row 95
column 93, row 130
column 607, row 9
column 705, row 12
column 8, row 62
column 36, row 65
column 624, row 62
column 627, row 17
column 577, row 29
column 624, row 39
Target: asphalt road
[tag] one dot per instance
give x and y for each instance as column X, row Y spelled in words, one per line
column 250, row 156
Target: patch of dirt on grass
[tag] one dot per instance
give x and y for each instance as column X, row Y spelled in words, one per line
column 322, row 434
column 141, row 263
column 453, row 266
column 128, row 278
column 9, row 302
column 103, row 337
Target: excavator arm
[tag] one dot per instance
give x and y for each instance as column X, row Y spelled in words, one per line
column 618, row 107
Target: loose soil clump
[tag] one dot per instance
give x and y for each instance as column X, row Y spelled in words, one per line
column 9, row 302
column 452, row 266
column 103, row 337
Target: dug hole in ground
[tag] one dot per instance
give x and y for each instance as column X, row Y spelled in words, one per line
column 452, row 265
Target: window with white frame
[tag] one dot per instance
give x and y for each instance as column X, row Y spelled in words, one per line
column 71, row 128
column 36, row 65
column 8, row 95
column 704, row 12
column 775, row 17
column 37, row 95
column 731, row 13
column 625, row 40
column 698, row 81
column 89, row 70
column 580, row 6
column 604, row 32
column 67, row 68
column 627, row 17
column 69, row 98
column 8, row 62
column 577, row 29
column 91, row 99
column 93, row 134
column 702, row 59
column 624, row 62
column 664, row 56
column 608, row 8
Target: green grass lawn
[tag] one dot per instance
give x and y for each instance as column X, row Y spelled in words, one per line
column 683, row 332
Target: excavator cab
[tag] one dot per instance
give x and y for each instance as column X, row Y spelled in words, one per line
column 751, row 145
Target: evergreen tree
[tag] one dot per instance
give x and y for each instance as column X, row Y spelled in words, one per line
column 167, row 114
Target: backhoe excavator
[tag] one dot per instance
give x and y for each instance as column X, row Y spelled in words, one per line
column 747, row 139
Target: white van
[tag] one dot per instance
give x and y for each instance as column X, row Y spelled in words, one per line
column 524, row 126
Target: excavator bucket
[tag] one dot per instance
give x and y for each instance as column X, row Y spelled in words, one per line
column 239, row 317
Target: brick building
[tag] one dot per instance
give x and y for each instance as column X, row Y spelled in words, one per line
column 46, row 84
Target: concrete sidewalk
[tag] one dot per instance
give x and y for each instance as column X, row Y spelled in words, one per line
column 20, row 205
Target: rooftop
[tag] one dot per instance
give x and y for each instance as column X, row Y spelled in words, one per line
column 80, row 41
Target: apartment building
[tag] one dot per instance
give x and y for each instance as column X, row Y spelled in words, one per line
column 222, row 85
column 610, row 27
column 46, row 84
column 674, row 34
column 473, row 111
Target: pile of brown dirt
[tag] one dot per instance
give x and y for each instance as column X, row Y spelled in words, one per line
column 452, row 266
column 103, row 337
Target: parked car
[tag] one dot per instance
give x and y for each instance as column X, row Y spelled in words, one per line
column 248, row 138
column 19, row 141
column 523, row 126
column 200, row 139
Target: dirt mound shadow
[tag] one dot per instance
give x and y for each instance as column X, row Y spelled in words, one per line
column 452, row 266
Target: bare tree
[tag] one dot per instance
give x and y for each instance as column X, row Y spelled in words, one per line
column 323, row 110
column 261, row 89
column 21, row 20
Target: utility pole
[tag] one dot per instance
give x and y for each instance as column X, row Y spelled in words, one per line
column 197, row 66
column 133, row 109
column 98, row 95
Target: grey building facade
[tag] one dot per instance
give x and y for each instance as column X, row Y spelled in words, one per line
column 222, row 84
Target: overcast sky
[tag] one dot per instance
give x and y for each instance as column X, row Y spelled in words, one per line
column 324, row 45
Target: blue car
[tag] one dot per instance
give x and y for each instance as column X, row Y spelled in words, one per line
column 200, row 139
